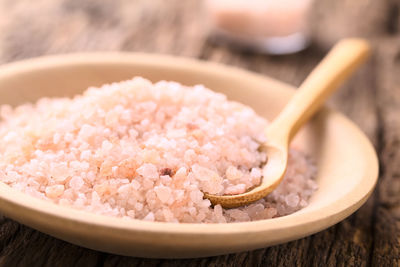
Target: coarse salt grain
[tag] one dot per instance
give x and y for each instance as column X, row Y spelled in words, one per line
column 76, row 182
column 54, row 191
column 163, row 193
column 148, row 171
column 232, row 173
column 149, row 217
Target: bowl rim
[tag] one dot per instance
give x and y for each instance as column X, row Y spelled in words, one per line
column 333, row 213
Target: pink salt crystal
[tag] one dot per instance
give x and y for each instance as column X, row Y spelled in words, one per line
column 148, row 171
column 43, row 165
column 133, row 133
column 10, row 136
column 205, row 174
column 114, row 169
column 75, row 164
column 196, row 196
column 281, row 209
column 205, row 203
column 90, row 176
column 80, row 202
column 59, row 172
column 138, row 206
column 180, row 173
column 85, row 155
column 187, row 218
column 168, row 215
column 232, row 173
column 12, row 176
column 303, row 203
column 165, row 179
column 292, row 200
column 312, row 184
column 107, row 132
column 267, row 213
column 135, row 184
column 86, row 131
column 10, row 167
column 38, row 153
column 218, row 210
column 150, row 156
column 163, row 193
column 254, row 209
column 124, row 190
column 145, row 122
column 220, row 219
column 149, row 217
column 76, row 182
column 106, row 145
column 201, row 216
column 255, row 173
column 179, row 195
column 102, row 188
column 68, row 137
column 186, row 184
column 239, row 215
column 125, row 116
column 111, row 118
column 54, row 191
column 56, row 138
column 271, row 212
column 235, row 189
column 147, row 184
column 192, row 211
column 189, row 155
column 131, row 213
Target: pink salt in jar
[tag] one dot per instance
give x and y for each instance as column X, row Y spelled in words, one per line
column 267, row 26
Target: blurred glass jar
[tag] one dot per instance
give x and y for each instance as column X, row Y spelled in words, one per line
column 266, row 26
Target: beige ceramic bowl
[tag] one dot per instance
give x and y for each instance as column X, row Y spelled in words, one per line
column 347, row 162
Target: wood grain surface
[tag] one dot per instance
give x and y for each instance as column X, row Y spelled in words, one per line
column 370, row 237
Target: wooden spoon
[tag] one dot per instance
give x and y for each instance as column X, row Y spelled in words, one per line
column 336, row 67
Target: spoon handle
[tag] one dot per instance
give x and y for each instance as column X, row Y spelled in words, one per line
column 343, row 59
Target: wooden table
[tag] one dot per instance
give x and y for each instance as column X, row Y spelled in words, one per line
column 371, row 98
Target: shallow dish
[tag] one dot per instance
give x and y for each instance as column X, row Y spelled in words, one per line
column 347, row 162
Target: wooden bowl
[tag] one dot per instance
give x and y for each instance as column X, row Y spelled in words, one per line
column 347, row 162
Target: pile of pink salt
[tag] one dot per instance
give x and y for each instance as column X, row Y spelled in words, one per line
column 146, row 151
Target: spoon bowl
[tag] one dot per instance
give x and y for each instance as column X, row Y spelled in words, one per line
column 274, row 168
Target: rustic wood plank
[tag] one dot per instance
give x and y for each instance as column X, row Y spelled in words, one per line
column 332, row 20
column 386, row 249
column 369, row 237
column 24, row 246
